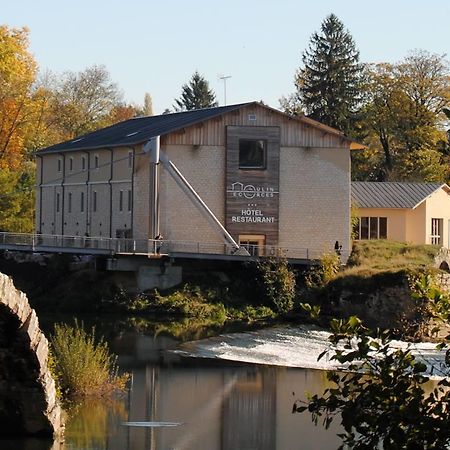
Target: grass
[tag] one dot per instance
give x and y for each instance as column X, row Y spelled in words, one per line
column 370, row 257
column 83, row 365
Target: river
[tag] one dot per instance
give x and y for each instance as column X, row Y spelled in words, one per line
column 202, row 395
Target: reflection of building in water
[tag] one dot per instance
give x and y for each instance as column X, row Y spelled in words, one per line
column 249, row 411
column 236, row 407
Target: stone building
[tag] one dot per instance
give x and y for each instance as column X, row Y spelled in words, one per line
column 271, row 181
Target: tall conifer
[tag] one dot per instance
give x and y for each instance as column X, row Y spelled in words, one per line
column 329, row 83
column 195, row 95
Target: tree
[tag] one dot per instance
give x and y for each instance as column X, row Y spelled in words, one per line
column 195, row 95
column 329, row 83
column 381, row 399
column 17, row 74
column 85, row 101
column 17, row 198
column 147, row 110
column 403, row 121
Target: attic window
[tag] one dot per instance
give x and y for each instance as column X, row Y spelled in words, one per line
column 252, row 117
column 132, row 134
column 77, row 140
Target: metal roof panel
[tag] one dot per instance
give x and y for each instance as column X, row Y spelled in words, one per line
column 367, row 194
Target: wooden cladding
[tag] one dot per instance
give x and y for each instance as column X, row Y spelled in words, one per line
column 293, row 132
column 252, row 193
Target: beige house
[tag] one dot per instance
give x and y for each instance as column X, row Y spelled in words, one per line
column 204, row 180
column 406, row 212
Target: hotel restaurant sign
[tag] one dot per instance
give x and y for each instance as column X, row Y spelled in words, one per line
column 252, row 195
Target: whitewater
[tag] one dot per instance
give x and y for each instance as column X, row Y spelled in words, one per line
column 298, row 346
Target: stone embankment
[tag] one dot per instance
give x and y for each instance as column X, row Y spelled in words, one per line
column 28, row 402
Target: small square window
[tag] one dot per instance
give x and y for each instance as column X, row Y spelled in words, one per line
column 252, row 154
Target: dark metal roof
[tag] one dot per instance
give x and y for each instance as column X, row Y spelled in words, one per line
column 140, row 129
column 392, row 194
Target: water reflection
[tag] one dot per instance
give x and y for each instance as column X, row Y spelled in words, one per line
column 219, row 405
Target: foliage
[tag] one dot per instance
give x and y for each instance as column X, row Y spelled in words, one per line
column 195, row 95
column 327, row 269
column 402, row 120
column 278, row 284
column 85, row 101
column 17, row 199
column 190, row 301
column 83, row 364
column 329, row 83
column 431, row 304
column 381, row 399
column 17, row 74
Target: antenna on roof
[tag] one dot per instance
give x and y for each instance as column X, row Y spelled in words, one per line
column 224, row 78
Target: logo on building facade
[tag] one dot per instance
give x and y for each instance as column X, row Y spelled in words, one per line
column 249, row 191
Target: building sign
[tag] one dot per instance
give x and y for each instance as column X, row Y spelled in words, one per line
column 252, row 194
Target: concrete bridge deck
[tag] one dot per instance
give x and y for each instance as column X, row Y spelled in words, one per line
column 150, row 248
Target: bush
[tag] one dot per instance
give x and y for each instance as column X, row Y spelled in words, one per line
column 326, row 271
column 83, row 366
column 382, row 399
column 190, row 301
column 278, row 284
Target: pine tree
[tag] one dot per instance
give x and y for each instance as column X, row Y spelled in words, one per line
column 329, row 83
column 195, row 95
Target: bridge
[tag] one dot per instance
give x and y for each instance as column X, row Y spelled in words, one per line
column 151, row 248
column 28, row 400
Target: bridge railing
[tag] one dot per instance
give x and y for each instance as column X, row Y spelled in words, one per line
column 86, row 244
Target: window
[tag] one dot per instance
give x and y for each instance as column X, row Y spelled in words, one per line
column 253, row 243
column 70, row 164
column 94, row 201
column 57, row 202
column 121, row 201
column 436, row 231
column 96, row 162
column 82, row 202
column 59, row 164
column 129, row 200
column 83, row 163
column 69, row 202
column 130, row 159
column 252, row 154
column 371, row 228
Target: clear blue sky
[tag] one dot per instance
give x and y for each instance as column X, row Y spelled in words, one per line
column 154, row 46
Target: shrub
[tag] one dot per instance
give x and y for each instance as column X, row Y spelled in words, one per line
column 83, row 366
column 278, row 283
column 326, row 271
column 382, row 399
column 190, row 301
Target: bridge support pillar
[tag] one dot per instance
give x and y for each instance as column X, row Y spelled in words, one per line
column 160, row 277
column 149, row 274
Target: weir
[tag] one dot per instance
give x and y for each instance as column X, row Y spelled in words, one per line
column 28, row 403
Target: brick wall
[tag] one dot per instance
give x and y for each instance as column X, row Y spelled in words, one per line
column 315, row 199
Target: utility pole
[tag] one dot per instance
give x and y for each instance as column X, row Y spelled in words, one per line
column 224, row 78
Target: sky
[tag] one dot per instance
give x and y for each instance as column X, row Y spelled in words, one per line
column 155, row 46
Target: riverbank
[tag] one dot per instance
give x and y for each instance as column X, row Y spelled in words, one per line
column 386, row 284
